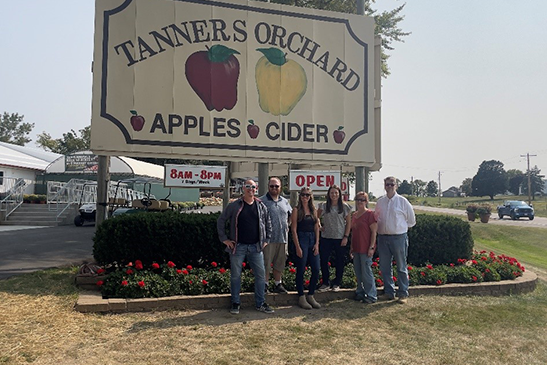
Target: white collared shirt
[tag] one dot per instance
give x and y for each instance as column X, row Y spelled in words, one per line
column 395, row 215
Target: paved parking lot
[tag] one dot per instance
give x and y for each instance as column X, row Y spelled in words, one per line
column 26, row 249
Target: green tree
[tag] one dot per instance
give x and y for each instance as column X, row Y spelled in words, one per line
column 404, row 188
column 418, row 187
column 432, row 188
column 491, row 179
column 515, row 179
column 536, row 182
column 465, row 187
column 387, row 22
column 70, row 142
column 14, row 130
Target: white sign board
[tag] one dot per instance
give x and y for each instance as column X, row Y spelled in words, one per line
column 315, row 180
column 192, row 176
column 233, row 80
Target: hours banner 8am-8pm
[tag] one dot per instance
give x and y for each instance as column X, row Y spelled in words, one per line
column 192, row 176
column 234, row 81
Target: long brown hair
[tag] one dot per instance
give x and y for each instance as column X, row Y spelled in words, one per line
column 311, row 205
column 329, row 200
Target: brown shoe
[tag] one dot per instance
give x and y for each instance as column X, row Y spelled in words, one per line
column 303, row 303
column 313, row 302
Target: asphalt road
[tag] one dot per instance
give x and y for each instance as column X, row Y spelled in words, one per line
column 28, row 249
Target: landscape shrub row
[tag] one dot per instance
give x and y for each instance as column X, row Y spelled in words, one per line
column 192, row 238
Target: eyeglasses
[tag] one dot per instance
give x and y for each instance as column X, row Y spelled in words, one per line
column 390, row 184
column 274, row 186
column 360, row 200
column 305, row 195
column 249, row 186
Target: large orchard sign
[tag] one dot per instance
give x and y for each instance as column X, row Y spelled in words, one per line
column 233, row 80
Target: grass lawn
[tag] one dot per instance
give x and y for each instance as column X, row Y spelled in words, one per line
column 39, row 326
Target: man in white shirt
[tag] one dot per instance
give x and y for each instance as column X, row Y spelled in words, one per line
column 395, row 216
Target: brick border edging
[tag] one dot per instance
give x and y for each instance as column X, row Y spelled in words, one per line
column 92, row 302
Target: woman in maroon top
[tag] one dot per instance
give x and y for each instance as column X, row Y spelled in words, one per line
column 363, row 244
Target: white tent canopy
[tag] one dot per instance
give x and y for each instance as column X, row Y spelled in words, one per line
column 118, row 165
column 22, row 157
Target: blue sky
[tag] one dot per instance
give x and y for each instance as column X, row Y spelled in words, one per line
column 469, row 83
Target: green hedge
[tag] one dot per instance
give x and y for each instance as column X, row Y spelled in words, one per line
column 159, row 237
column 438, row 239
column 191, row 239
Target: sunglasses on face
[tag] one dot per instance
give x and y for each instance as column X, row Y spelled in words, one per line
column 249, row 186
column 274, row 186
column 360, row 200
column 305, row 195
column 390, row 184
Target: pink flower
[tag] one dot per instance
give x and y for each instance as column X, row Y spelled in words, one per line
column 214, row 264
column 100, row 271
column 204, row 282
column 375, row 264
column 222, row 270
column 483, row 258
column 171, row 264
column 124, row 283
column 189, row 267
column 292, row 270
column 129, row 271
column 141, row 284
column 439, row 282
column 243, row 264
column 409, row 268
column 138, row 265
column 422, row 273
column 185, row 272
column 190, row 281
column 474, row 262
column 307, row 282
column 290, row 263
column 100, row 283
column 474, row 278
column 329, row 263
column 130, row 264
column 451, row 265
column 179, row 271
column 430, row 267
column 155, row 266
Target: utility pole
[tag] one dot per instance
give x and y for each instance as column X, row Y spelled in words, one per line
column 529, row 181
column 439, row 191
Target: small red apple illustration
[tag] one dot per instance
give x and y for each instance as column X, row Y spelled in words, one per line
column 339, row 135
column 137, row 121
column 213, row 75
column 253, row 129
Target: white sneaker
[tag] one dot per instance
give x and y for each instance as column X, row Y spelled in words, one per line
column 335, row 288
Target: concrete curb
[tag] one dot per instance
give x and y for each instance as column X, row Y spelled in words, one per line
column 92, row 302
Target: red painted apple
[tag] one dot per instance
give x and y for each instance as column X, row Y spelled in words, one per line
column 137, row 121
column 339, row 135
column 253, row 129
column 213, row 75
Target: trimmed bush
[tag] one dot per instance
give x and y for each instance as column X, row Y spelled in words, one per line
column 439, row 240
column 158, row 237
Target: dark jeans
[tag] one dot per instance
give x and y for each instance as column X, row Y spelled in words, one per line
column 326, row 246
column 307, row 240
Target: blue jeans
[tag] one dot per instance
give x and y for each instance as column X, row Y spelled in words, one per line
column 256, row 261
column 365, row 278
column 307, row 240
column 325, row 249
column 390, row 248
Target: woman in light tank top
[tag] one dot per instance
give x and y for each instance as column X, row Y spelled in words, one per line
column 335, row 218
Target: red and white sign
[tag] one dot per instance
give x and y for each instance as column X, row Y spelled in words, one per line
column 191, row 176
column 315, row 180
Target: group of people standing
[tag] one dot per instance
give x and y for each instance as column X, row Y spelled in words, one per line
column 259, row 232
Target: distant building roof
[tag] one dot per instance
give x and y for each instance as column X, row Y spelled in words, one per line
column 25, row 157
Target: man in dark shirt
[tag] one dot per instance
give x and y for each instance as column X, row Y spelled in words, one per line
column 250, row 232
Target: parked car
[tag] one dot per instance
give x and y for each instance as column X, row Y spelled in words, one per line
column 515, row 209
